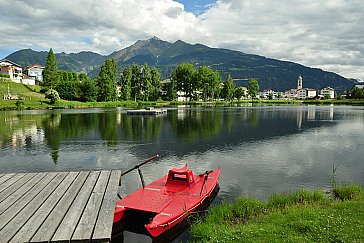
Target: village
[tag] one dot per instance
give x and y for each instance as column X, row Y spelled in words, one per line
column 32, row 75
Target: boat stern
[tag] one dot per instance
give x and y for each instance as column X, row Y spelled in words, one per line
column 119, row 213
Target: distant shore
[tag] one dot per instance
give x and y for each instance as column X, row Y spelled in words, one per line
column 32, row 99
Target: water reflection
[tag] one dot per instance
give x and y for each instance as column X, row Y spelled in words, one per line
column 182, row 131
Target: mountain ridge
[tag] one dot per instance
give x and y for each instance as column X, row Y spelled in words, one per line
column 271, row 73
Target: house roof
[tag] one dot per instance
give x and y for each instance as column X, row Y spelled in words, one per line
column 360, row 86
column 33, row 66
column 328, row 88
column 11, row 62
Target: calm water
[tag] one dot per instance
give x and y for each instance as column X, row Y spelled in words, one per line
column 261, row 150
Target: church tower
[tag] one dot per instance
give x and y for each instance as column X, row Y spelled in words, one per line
column 299, row 82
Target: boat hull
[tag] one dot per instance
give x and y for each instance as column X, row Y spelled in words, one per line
column 136, row 221
column 165, row 203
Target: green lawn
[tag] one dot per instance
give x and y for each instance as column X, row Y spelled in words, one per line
column 299, row 217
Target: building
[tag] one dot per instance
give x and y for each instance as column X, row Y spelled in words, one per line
column 299, row 82
column 359, row 86
column 12, row 69
column 306, row 93
column 328, row 92
column 295, row 93
column 34, row 72
column 265, row 94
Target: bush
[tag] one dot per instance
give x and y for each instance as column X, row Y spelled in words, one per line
column 52, row 95
column 4, row 75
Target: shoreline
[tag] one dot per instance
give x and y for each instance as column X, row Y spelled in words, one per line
column 301, row 216
column 6, row 105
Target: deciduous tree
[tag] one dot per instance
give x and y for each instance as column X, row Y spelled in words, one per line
column 253, row 88
column 125, row 81
column 106, row 81
column 88, row 90
column 229, row 88
column 156, row 84
column 184, row 75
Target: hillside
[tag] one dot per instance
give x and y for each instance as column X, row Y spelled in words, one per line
column 22, row 91
column 271, row 73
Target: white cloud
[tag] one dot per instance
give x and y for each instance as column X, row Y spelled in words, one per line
column 322, row 33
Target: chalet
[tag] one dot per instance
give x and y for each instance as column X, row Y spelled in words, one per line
column 34, row 72
column 12, row 69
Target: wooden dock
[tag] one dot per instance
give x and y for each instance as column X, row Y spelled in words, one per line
column 58, row 206
column 147, row 112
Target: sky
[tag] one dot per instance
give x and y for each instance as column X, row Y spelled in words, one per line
column 326, row 34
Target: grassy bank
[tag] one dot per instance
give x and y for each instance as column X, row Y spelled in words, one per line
column 302, row 216
column 31, row 99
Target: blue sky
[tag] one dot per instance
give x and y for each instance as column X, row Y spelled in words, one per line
column 322, row 34
column 197, row 7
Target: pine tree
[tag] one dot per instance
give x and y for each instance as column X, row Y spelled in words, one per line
column 50, row 72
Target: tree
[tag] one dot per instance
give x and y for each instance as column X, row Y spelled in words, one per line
column 253, row 88
column 184, row 75
column 204, row 80
column 146, row 79
column 106, row 81
column 239, row 92
column 172, row 89
column 68, row 85
column 156, row 84
column 52, row 95
column 357, row 93
column 88, row 90
column 229, row 88
column 50, row 72
column 136, row 88
column 125, row 80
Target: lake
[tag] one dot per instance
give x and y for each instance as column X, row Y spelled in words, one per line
column 261, row 149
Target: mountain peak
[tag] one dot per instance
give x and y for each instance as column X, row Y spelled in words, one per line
column 155, row 38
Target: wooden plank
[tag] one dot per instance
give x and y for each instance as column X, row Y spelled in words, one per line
column 50, row 225
column 87, row 222
column 17, row 195
column 35, row 221
column 103, row 227
column 11, row 181
column 9, row 213
column 15, row 186
column 22, row 217
column 5, row 177
column 69, row 223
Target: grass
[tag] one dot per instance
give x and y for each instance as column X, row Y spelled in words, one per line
column 33, row 99
column 301, row 216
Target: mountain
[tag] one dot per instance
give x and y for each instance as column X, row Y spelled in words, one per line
column 84, row 61
column 271, row 73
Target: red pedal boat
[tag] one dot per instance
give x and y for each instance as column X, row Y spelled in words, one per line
column 164, row 203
